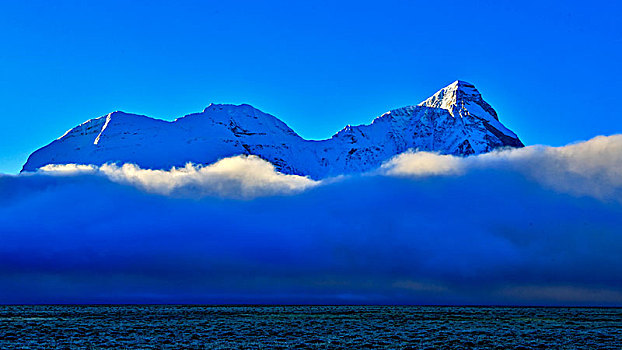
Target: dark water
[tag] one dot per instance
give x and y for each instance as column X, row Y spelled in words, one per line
column 316, row 327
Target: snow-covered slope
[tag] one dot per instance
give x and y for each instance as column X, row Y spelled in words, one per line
column 455, row 120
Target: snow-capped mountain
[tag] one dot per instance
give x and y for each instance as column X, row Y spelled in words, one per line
column 455, row 120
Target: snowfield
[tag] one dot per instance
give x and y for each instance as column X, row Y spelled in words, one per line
column 455, row 120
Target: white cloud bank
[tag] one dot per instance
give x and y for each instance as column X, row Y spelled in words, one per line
column 236, row 177
column 591, row 168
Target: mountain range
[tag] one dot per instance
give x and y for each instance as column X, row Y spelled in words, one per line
column 455, row 120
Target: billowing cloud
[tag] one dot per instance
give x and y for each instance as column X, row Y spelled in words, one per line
column 236, row 177
column 423, row 164
column 539, row 225
column 592, row 168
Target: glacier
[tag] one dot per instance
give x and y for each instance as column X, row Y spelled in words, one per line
column 455, row 120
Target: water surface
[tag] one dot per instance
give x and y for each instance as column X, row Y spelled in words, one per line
column 315, row 327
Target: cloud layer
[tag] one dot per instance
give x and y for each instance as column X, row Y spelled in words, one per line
column 237, row 177
column 591, row 168
column 539, row 225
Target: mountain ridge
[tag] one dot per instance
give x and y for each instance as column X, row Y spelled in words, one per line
column 455, row 120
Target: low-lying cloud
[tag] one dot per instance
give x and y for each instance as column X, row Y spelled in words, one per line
column 591, row 168
column 539, row 225
column 237, row 177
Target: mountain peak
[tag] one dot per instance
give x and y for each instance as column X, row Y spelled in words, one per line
column 230, row 107
column 452, row 95
column 460, row 98
column 455, row 120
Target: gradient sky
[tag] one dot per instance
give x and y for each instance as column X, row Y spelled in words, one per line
column 551, row 69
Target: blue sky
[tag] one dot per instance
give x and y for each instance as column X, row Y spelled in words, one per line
column 551, row 69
